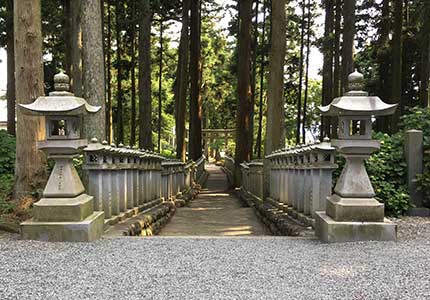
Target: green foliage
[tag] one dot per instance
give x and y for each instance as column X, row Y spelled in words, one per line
column 387, row 171
column 7, row 165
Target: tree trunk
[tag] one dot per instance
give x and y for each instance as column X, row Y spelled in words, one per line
column 10, row 93
column 67, row 36
column 160, row 87
column 133, row 75
column 145, row 105
column 119, row 95
column 382, row 123
column 182, row 82
column 337, row 66
column 30, row 168
column 396, row 65
column 308, row 53
column 299, row 98
column 275, row 98
column 263, row 61
column 195, row 135
column 109, row 109
column 94, row 78
column 348, row 42
column 425, row 58
column 254, row 75
column 76, row 48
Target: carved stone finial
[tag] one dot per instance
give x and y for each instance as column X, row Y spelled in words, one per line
column 61, row 82
column 94, row 140
column 356, row 81
column 105, row 143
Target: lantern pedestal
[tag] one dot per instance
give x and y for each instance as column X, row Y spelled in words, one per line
column 331, row 231
column 66, row 213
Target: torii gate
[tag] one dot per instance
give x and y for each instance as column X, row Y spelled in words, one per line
column 209, row 135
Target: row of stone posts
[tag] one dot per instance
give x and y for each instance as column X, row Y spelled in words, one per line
column 125, row 181
column 252, row 178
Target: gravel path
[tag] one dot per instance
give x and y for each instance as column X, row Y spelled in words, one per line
column 214, row 268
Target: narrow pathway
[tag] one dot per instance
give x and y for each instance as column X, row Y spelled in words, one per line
column 215, row 212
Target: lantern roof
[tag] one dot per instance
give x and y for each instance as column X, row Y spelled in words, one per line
column 357, row 102
column 61, row 101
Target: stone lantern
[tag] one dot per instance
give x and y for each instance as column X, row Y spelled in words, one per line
column 352, row 212
column 66, row 212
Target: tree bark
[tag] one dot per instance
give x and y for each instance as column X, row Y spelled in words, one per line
column 299, row 98
column 94, row 78
column 145, row 105
column 308, row 53
column 262, row 63
column 275, row 98
column 254, row 74
column 30, row 168
column 10, row 93
column 182, row 82
column 119, row 78
column 133, row 74
column 160, row 87
column 109, row 109
column 76, row 48
column 337, row 66
column 425, row 58
column 397, row 62
column 195, row 135
column 348, row 41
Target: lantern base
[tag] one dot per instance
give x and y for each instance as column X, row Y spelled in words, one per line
column 87, row 230
column 344, row 209
column 331, row 231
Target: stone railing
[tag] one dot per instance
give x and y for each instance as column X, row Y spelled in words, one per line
column 200, row 172
column 301, row 179
column 229, row 169
column 125, row 181
column 252, row 178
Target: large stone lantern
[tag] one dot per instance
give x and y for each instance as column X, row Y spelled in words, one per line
column 66, row 212
column 352, row 212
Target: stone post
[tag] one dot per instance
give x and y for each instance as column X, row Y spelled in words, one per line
column 414, row 149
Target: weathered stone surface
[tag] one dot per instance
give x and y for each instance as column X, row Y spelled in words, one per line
column 87, row 230
column 331, row 231
column 355, row 209
column 63, row 209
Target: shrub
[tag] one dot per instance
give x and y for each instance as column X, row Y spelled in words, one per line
column 7, row 166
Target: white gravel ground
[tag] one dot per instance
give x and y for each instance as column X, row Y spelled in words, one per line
column 214, row 268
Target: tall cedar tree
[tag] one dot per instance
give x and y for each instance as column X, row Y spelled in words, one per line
column 243, row 115
column 275, row 136
column 145, row 106
column 396, row 64
column 348, row 41
column 337, row 65
column 133, row 73
column 425, row 56
column 262, row 65
column 182, row 82
column 119, row 92
column 93, row 66
column 108, row 52
column 76, row 48
column 30, row 168
column 308, row 52
column 302, row 48
column 160, row 86
column 328, row 49
column 195, row 135
column 10, row 93
column 254, row 72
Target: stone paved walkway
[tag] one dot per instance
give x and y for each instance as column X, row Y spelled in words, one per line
column 215, row 212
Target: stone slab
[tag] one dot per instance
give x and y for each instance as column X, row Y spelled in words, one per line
column 354, row 209
column 63, row 209
column 87, row 230
column 330, row 231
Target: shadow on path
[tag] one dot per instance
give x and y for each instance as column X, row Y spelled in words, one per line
column 215, row 212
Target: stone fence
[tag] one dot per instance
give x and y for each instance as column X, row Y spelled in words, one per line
column 299, row 180
column 127, row 181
